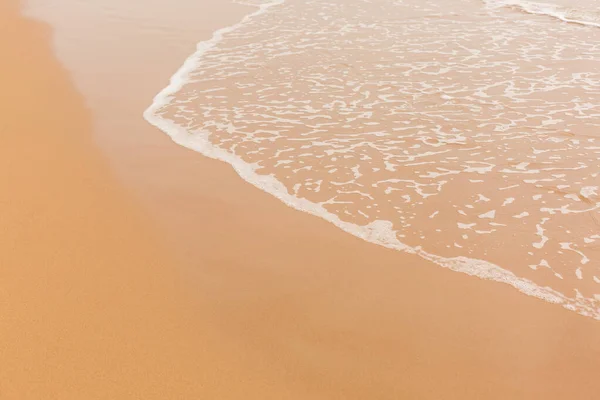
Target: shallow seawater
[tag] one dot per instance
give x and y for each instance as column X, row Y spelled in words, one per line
column 466, row 131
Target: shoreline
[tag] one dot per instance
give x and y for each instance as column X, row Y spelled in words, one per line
column 251, row 298
column 379, row 232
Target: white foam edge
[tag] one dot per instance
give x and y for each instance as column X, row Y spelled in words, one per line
column 549, row 10
column 377, row 232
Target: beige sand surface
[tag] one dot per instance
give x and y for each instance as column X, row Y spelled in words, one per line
column 90, row 304
column 192, row 284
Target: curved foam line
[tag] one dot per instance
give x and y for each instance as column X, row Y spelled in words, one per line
column 549, row 10
column 377, row 232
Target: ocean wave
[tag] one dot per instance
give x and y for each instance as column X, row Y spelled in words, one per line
column 378, row 231
column 565, row 14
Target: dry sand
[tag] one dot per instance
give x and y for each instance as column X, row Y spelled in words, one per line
column 189, row 283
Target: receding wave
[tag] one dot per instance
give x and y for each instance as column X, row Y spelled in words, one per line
column 477, row 154
column 566, row 14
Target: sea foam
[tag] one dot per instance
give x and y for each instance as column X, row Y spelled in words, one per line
column 566, row 14
column 379, row 232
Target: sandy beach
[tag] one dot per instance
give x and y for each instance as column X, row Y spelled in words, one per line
column 131, row 267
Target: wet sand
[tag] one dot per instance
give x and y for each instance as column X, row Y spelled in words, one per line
column 187, row 282
column 90, row 300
